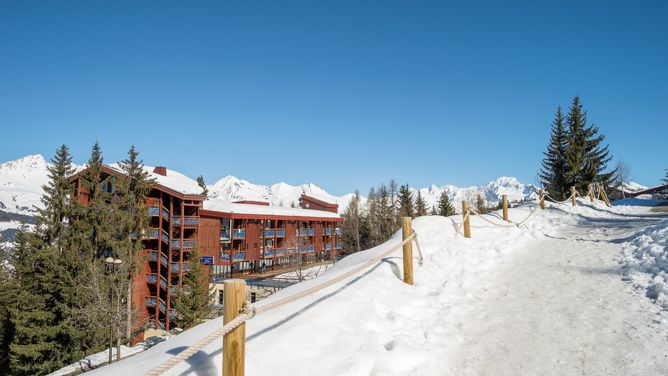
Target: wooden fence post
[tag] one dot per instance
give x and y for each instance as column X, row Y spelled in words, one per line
column 604, row 195
column 542, row 199
column 467, row 219
column 591, row 192
column 407, row 230
column 573, row 194
column 505, row 208
column 234, row 342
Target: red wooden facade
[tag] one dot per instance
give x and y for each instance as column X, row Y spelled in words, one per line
column 230, row 243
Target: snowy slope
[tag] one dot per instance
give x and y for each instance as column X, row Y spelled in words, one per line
column 21, row 184
column 544, row 299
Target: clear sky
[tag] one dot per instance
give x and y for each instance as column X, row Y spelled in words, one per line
column 344, row 94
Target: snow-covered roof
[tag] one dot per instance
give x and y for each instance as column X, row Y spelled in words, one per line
column 236, row 208
column 174, row 180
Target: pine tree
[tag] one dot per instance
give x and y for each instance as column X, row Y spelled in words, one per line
column 420, row 206
column 445, row 207
column 7, row 302
column 373, row 218
column 665, row 179
column 554, row 165
column 193, row 298
column 406, row 205
column 352, row 225
column 132, row 214
column 386, row 212
column 55, row 200
column 480, row 204
column 587, row 157
column 202, row 184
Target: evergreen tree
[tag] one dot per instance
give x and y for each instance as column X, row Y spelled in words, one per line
column 480, row 204
column 587, row 156
column 132, row 215
column 420, row 206
column 193, row 297
column 554, row 165
column 665, row 179
column 202, row 184
column 55, row 199
column 386, row 213
column 352, row 225
column 7, row 302
column 373, row 218
column 406, row 206
column 445, row 207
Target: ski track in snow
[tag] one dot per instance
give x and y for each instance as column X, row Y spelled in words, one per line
column 546, row 299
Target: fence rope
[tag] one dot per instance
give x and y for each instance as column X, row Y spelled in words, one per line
column 249, row 311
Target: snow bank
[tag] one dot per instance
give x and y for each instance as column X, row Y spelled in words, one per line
column 645, row 262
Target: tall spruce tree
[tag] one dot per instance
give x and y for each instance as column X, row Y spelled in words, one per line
column 352, row 225
column 406, row 205
column 587, row 156
column 386, row 213
column 554, row 166
column 7, row 302
column 373, row 217
column 193, row 301
column 480, row 204
column 420, row 206
column 665, row 179
column 444, row 206
column 133, row 188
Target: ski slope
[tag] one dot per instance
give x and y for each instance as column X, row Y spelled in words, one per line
column 549, row 298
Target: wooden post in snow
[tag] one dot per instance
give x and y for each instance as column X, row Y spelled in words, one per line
column 505, row 208
column 234, row 343
column 407, row 231
column 591, row 192
column 467, row 219
column 604, row 195
column 542, row 199
column 573, row 194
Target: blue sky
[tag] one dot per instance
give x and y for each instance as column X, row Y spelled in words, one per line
column 344, row 94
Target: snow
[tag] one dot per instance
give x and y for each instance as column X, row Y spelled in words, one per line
column 646, row 262
column 21, row 184
column 230, row 207
column 547, row 298
column 173, row 180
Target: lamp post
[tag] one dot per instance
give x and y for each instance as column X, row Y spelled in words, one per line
column 112, row 263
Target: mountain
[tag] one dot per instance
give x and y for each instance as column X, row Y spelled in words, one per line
column 21, row 188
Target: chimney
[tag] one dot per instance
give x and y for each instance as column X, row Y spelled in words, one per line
column 160, row 170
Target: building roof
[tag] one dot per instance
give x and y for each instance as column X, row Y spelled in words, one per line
column 262, row 210
column 173, row 180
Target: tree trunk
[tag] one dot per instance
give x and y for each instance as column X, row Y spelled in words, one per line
column 128, row 329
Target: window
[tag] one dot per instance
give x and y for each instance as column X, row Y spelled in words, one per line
column 221, row 295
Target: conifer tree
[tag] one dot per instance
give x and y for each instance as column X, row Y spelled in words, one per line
column 586, row 154
column 480, row 204
column 554, row 165
column 420, row 206
column 7, row 301
column 373, row 218
column 202, row 184
column 406, row 205
column 193, row 298
column 133, row 188
column 445, row 207
column 352, row 225
column 665, row 179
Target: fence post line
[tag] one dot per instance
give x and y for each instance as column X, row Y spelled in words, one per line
column 467, row 219
column 505, row 208
column 234, row 343
column 542, row 199
column 407, row 231
column 573, row 194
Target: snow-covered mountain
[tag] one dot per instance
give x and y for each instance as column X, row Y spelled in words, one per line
column 21, row 188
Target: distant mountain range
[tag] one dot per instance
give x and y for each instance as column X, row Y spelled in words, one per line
column 21, row 188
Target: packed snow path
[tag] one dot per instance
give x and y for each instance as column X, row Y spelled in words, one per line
column 561, row 308
column 544, row 299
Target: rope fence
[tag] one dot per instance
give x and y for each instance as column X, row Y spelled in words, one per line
column 238, row 309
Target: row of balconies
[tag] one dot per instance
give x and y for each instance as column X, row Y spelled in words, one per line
column 152, row 301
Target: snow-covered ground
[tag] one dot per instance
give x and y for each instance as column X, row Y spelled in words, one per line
column 548, row 298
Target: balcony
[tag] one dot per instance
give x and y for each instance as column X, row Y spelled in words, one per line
column 225, row 236
column 187, row 244
column 269, row 233
column 154, row 233
column 280, row 252
column 307, row 232
column 239, row 233
column 186, row 222
column 339, row 246
column 152, row 278
column 165, row 214
column 307, row 248
column 163, row 283
column 327, row 232
column 225, row 256
column 164, row 260
column 172, row 291
column 162, row 305
column 153, row 211
column 239, row 256
column 269, row 252
column 176, row 268
column 152, row 256
column 337, row 231
column 328, row 246
column 151, row 301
